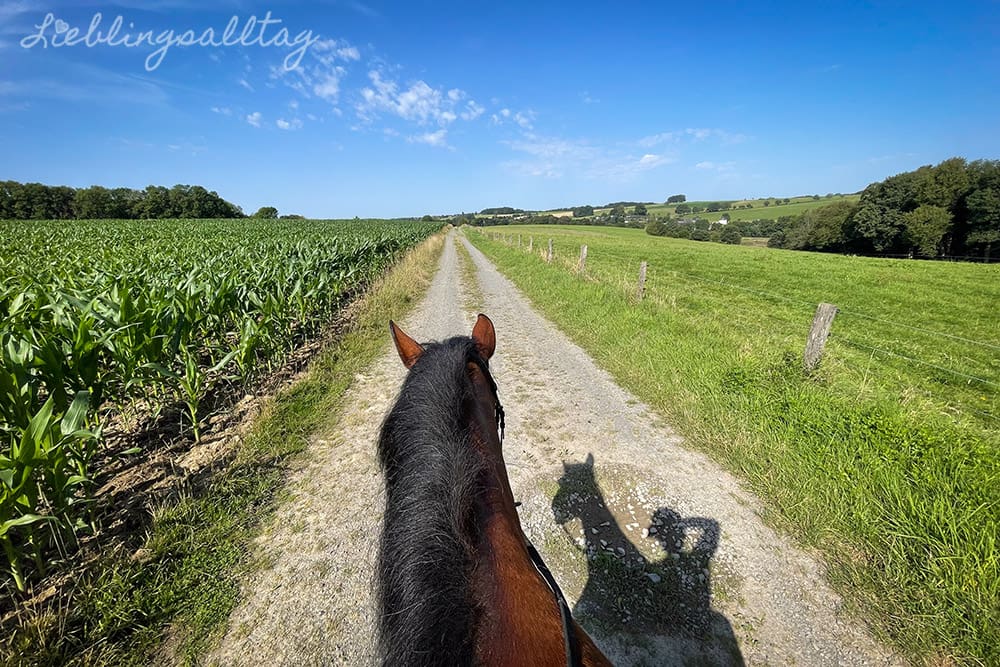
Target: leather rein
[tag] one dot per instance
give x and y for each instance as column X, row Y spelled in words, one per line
column 570, row 641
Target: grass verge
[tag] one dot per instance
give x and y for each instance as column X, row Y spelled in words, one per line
column 198, row 551
column 890, row 468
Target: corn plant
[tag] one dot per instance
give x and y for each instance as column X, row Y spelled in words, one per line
column 98, row 316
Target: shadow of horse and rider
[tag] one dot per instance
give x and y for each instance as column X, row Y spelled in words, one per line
column 629, row 593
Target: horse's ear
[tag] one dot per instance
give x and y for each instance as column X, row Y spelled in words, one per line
column 590, row 460
column 485, row 337
column 409, row 350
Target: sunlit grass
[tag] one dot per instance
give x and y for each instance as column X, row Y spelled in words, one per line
column 888, row 464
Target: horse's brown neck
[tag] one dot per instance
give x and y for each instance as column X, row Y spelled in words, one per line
column 521, row 624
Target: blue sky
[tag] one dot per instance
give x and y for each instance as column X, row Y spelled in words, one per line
column 412, row 108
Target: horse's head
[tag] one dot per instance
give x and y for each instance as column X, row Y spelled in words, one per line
column 483, row 339
column 410, row 351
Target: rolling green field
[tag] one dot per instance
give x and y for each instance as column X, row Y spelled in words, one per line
column 797, row 206
column 886, row 458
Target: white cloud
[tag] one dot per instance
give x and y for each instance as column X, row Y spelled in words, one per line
column 439, row 138
column 524, row 119
column 553, row 157
column 246, row 84
column 716, row 166
column 293, row 124
column 692, row 134
column 472, row 111
column 225, row 111
column 254, row 119
column 349, row 53
column 327, row 85
column 657, row 139
column 419, row 103
column 702, row 133
column 322, row 73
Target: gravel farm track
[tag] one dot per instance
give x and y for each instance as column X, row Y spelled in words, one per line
column 662, row 552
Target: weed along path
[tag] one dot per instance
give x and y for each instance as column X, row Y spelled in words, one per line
column 663, row 556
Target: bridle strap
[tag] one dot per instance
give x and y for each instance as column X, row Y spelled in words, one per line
column 570, row 640
column 499, row 414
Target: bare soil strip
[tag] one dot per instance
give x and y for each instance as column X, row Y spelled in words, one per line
column 661, row 551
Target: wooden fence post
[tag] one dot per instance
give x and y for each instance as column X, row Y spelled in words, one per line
column 531, row 243
column 518, row 241
column 582, row 265
column 549, row 257
column 642, row 280
column 820, row 331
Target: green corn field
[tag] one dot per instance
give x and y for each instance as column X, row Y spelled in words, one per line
column 102, row 318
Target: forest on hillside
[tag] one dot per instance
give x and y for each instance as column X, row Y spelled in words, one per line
column 951, row 209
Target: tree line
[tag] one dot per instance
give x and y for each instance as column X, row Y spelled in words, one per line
column 949, row 209
column 696, row 230
column 35, row 201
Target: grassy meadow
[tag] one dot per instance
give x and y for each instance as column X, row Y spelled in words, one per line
column 795, row 206
column 885, row 459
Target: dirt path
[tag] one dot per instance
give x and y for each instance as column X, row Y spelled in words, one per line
column 652, row 543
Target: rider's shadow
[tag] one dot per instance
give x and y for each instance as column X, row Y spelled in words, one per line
column 628, row 593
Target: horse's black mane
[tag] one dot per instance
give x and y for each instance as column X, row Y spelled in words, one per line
column 432, row 472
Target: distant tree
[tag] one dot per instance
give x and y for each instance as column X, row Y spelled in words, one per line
column 639, row 209
column 501, row 210
column 926, row 227
column 655, row 227
column 984, row 217
column 878, row 229
column 268, row 212
column 427, row 218
column 776, row 240
column 681, row 209
column 292, row 216
column 676, row 199
column 815, row 197
column 767, row 202
column 700, row 235
column 618, row 214
column 821, row 228
column 156, row 203
column 583, row 211
column 92, row 203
